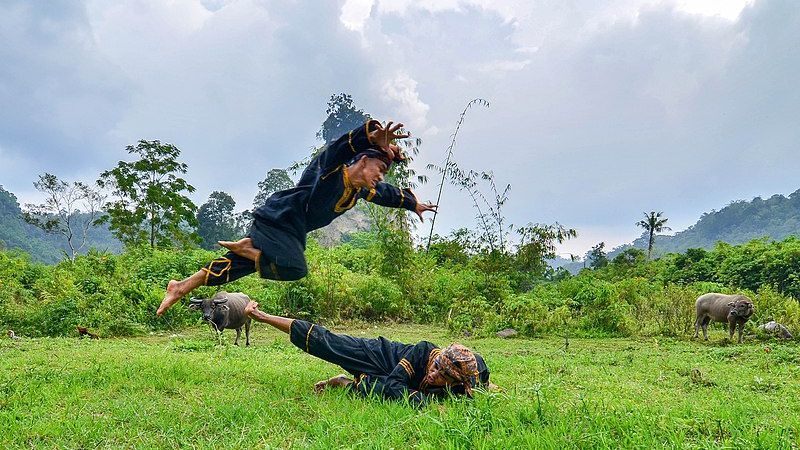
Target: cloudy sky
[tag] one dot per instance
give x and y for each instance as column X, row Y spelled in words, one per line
column 599, row 110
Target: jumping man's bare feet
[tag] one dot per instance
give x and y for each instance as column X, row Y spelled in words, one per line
column 177, row 289
column 242, row 247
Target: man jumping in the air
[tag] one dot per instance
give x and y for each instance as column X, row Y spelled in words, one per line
column 391, row 370
column 350, row 168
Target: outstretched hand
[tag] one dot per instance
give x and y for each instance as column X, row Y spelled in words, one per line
column 383, row 137
column 422, row 207
column 250, row 308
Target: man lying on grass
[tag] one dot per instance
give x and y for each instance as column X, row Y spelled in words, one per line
column 382, row 367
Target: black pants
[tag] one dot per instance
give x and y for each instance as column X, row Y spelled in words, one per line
column 282, row 258
column 227, row 268
column 355, row 355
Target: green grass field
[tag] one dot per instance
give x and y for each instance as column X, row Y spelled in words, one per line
column 188, row 391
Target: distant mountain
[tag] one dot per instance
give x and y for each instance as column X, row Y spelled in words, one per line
column 741, row 221
column 46, row 248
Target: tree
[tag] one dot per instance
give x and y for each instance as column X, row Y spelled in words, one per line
column 597, row 256
column 216, row 220
column 242, row 222
column 276, row 180
column 150, row 206
column 538, row 244
column 69, row 209
column 343, row 116
column 630, row 257
column 653, row 223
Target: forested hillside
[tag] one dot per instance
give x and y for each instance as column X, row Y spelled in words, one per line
column 741, row 221
column 15, row 233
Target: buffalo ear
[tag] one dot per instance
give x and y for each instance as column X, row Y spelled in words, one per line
column 732, row 304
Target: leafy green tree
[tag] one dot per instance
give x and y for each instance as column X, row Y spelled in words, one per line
column 537, row 244
column 61, row 211
column 216, row 220
column 629, row 257
column 343, row 116
column 276, row 180
column 242, row 222
column 653, row 223
column 597, row 256
column 150, row 206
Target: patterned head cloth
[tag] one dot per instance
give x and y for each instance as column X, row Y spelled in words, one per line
column 459, row 363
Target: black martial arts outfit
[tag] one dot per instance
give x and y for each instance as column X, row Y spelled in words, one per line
column 391, row 370
column 323, row 193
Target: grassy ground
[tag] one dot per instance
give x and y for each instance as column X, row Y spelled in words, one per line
column 187, row 391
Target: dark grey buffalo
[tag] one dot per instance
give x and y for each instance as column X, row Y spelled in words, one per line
column 734, row 310
column 225, row 310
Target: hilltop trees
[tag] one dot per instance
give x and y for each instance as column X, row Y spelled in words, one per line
column 653, row 223
column 150, row 206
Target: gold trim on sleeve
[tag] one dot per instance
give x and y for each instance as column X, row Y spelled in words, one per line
column 350, row 140
column 407, row 366
column 308, row 335
column 371, row 194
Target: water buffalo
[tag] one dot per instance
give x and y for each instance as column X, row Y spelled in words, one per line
column 225, row 310
column 731, row 309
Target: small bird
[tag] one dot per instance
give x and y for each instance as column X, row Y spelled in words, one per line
column 13, row 335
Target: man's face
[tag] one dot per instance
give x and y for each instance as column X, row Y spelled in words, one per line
column 373, row 172
column 437, row 377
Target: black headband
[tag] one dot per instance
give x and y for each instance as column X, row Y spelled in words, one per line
column 372, row 153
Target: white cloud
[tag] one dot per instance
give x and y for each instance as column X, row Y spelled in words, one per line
column 500, row 66
column 402, row 96
column 355, row 13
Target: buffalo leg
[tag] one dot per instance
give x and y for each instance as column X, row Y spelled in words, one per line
column 696, row 326
column 732, row 328
column 238, row 333
column 247, row 332
column 704, row 325
column 741, row 328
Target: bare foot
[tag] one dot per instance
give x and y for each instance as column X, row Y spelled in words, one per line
column 320, row 386
column 242, row 247
column 337, row 381
column 174, row 293
column 493, row 387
